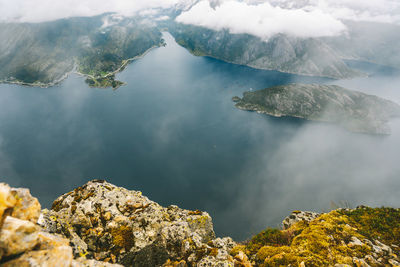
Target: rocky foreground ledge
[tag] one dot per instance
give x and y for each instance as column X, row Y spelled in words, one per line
column 100, row 224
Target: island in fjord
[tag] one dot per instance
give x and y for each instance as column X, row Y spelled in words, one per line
column 355, row 111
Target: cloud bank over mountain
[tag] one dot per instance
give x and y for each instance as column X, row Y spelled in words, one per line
column 263, row 20
column 302, row 18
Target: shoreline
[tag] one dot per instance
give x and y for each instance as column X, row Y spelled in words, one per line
column 124, row 64
column 361, row 74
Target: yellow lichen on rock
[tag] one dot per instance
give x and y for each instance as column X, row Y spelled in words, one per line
column 238, row 248
column 323, row 239
column 198, row 221
column 7, row 200
column 50, row 241
column 241, row 260
column 111, row 224
column 267, row 252
column 59, row 256
column 382, row 224
column 17, row 236
column 122, row 237
column 341, row 237
column 23, row 242
column 170, row 263
column 26, row 207
column 122, row 225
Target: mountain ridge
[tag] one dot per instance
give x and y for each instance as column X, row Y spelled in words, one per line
column 310, row 57
column 43, row 54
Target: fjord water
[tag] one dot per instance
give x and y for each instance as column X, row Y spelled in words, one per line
column 173, row 133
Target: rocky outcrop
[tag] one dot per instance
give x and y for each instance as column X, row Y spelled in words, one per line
column 18, row 236
column 100, row 224
column 110, row 223
column 297, row 216
column 352, row 110
column 345, row 237
column 23, row 242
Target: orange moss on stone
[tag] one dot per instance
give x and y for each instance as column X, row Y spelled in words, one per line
column 123, row 237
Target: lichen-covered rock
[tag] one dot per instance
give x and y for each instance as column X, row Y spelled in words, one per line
column 212, row 261
column 26, row 206
column 50, row 241
column 18, row 203
column 24, row 243
column 7, row 201
column 360, row 262
column 83, row 262
column 17, row 236
column 170, row 263
column 216, row 253
column 100, row 224
column 297, row 216
column 110, row 223
column 344, row 237
column 241, row 260
column 394, row 263
column 105, row 224
column 59, row 256
column 19, row 212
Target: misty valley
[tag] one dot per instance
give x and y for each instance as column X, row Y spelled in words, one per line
column 183, row 143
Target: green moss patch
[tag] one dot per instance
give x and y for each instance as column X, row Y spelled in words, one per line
column 327, row 240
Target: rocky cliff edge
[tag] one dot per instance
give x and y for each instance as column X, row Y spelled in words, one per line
column 100, row 224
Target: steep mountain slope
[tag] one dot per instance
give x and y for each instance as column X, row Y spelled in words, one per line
column 283, row 53
column 43, row 53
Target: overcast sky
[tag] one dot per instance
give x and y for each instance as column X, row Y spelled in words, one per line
column 45, row 10
column 263, row 18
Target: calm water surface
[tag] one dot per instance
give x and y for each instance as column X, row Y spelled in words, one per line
column 173, row 133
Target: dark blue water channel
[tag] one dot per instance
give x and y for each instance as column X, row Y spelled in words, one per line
column 173, row 133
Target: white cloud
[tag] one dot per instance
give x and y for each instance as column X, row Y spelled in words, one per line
column 301, row 18
column 46, row 10
column 263, row 19
column 304, row 18
column 162, row 18
column 387, row 11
